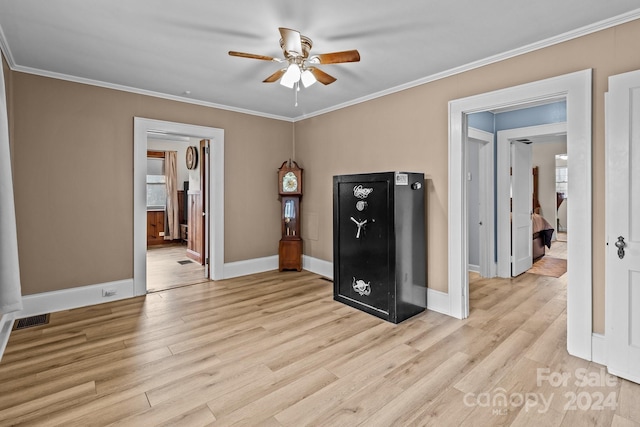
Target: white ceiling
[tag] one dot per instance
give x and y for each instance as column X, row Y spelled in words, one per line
column 168, row 47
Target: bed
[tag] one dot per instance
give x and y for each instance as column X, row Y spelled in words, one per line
column 542, row 230
column 542, row 234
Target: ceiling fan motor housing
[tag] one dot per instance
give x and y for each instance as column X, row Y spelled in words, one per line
column 306, row 47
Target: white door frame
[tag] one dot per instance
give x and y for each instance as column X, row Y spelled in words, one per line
column 503, row 163
column 216, row 186
column 575, row 88
column 487, row 264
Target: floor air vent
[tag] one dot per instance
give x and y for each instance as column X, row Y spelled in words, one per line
column 32, row 321
column 184, row 262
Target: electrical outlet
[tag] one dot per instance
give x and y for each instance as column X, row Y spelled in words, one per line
column 161, row 234
column 109, row 292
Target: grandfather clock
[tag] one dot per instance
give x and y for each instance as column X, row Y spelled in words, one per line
column 290, row 190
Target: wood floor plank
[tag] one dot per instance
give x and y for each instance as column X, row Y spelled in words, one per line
column 270, row 404
column 401, row 408
column 63, row 377
column 200, row 416
column 275, row 349
column 33, row 408
column 488, row 372
column 177, row 404
column 70, row 417
column 306, row 411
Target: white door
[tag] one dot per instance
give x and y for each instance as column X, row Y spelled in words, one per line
column 521, row 205
column 623, row 226
column 480, row 201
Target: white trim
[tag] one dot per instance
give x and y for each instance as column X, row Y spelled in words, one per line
column 216, row 186
column 67, row 299
column 250, row 266
column 123, row 88
column 438, row 301
column 503, row 164
column 318, row 266
column 599, row 348
column 576, row 88
column 474, row 268
column 6, row 325
column 570, row 35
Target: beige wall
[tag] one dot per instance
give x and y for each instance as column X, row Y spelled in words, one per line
column 8, row 87
column 73, row 161
column 408, row 131
column 73, row 154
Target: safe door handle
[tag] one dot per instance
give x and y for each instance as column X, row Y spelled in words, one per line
column 620, row 244
column 359, row 224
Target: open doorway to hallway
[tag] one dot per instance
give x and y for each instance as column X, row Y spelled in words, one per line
column 575, row 88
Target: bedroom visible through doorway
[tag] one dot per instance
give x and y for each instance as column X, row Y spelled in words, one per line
column 575, row 88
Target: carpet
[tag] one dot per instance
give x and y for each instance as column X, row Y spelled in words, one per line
column 549, row 266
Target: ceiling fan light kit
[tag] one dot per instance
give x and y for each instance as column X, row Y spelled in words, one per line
column 300, row 66
column 291, row 76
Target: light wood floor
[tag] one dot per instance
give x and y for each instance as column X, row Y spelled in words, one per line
column 165, row 272
column 274, row 349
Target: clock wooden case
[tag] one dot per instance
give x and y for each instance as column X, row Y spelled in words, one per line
column 290, row 191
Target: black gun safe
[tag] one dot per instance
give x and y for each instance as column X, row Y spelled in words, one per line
column 379, row 261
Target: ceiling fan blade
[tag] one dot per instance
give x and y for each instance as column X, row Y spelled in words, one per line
column 321, row 76
column 252, row 56
column 275, row 76
column 291, row 42
column 339, row 57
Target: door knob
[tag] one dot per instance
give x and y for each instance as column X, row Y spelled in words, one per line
column 620, row 244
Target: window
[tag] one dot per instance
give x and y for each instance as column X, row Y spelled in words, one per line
column 156, row 184
column 561, row 175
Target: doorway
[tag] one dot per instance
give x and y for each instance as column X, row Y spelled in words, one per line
column 575, row 89
column 537, row 135
column 214, row 220
column 176, row 252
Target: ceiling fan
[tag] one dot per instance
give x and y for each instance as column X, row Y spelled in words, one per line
column 299, row 66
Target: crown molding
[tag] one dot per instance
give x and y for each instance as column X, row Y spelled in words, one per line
column 138, row 91
column 570, row 35
column 586, row 30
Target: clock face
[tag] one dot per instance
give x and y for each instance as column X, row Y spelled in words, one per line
column 192, row 158
column 289, row 182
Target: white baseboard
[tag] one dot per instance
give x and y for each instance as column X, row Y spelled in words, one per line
column 599, row 349
column 438, row 301
column 474, row 268
column 67, row 299
column 250, row 266
column 318, row 266
column 6, row 325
